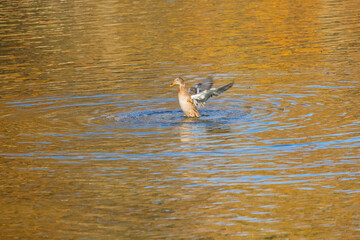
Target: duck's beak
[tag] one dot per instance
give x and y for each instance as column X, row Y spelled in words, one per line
column 172, row 84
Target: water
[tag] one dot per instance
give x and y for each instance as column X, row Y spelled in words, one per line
column 95, row 146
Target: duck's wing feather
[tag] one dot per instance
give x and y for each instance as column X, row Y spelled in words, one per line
column 203, row 86
column 202, row 97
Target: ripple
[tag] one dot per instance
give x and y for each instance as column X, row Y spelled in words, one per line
column 168, row 118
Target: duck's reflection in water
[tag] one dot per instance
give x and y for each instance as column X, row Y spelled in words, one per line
column 199, row 131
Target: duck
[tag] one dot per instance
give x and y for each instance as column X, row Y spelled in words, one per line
column 190, row 100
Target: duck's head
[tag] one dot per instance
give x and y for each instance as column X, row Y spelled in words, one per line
column 178, row 81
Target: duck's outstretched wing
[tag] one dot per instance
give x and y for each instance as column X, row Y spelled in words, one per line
column 200, row 98
column 199, row 87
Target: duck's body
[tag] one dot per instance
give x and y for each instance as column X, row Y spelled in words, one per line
column 197, row 96
column 187, row 103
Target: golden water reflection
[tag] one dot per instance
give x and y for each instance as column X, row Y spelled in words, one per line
column 94, row 146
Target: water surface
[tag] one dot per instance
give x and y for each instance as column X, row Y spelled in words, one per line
column 95, row 146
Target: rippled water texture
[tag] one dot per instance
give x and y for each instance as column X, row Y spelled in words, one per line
column 94, row 144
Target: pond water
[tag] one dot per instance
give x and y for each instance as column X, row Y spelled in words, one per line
column 94, row 144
